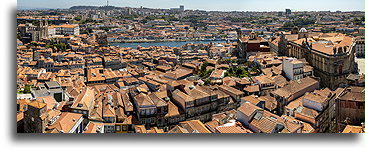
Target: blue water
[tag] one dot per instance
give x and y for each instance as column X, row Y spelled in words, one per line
column 170, row 44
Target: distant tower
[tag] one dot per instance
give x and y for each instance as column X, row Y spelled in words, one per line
column 287, row 11
column 107, row 2
column 182, row 8
column 43, row 29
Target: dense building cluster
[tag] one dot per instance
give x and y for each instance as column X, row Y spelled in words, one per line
column 268, row 80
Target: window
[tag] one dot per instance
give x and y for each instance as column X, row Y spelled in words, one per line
column 124, row 127
column 148, row 112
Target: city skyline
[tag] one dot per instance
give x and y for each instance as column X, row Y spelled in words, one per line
column 214, row 5
column 132, row 70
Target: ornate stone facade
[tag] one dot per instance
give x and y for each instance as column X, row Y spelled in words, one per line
column 331, row 55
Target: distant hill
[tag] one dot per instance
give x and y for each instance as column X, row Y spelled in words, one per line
column 93, row 7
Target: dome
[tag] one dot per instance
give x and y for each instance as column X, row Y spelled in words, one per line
column 303, row 30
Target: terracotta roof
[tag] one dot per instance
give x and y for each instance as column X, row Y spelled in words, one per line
column 315, row 98
column 184, row 96
column 140, row 129
column 270, row 102
column 66, row 121
column 292, row 125
column 211, row 125
column 248, row 109
column 310, row 113
column 252, row 88
column 194, row 126
column 264, row 124
column 197, row 94
column 353, row 129
column 93, row 127
column 178, row 129
column 65, row 26
column 231, row 90
column 294, row 86
column 37, row 104
column 108, row 111
column 217, row 74
column 353, row 94
column 252, row 99
column 19, row 116
column 263, row 79
column 230, row 129
column 143, row 100
column 156, row 100
column 85, row 100
column 97, row 112
column 128, row 106
column 173, row 110
column 280, row 81
column 155, row 130
column 49, row 100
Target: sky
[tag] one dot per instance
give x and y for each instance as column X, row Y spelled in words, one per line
column 209, row 5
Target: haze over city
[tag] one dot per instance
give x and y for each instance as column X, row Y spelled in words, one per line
column 210, row 5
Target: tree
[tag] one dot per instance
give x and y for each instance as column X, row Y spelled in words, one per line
column 288, row 25
column 34, row 43
column 48, row 46
column 26, row 89
column 207, row 82
column 236, row 72
column 78, row 18
column 61, row 46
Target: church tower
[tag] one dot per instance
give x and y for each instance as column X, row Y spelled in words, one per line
column 43, row 29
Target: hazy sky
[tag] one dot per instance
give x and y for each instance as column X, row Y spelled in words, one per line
column 222, row 5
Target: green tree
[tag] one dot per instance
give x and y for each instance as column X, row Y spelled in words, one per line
column 236, row 72
column 78, row 18
column 26, row 89
column 34, row 43
column 61, row 46
column 207, row 82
